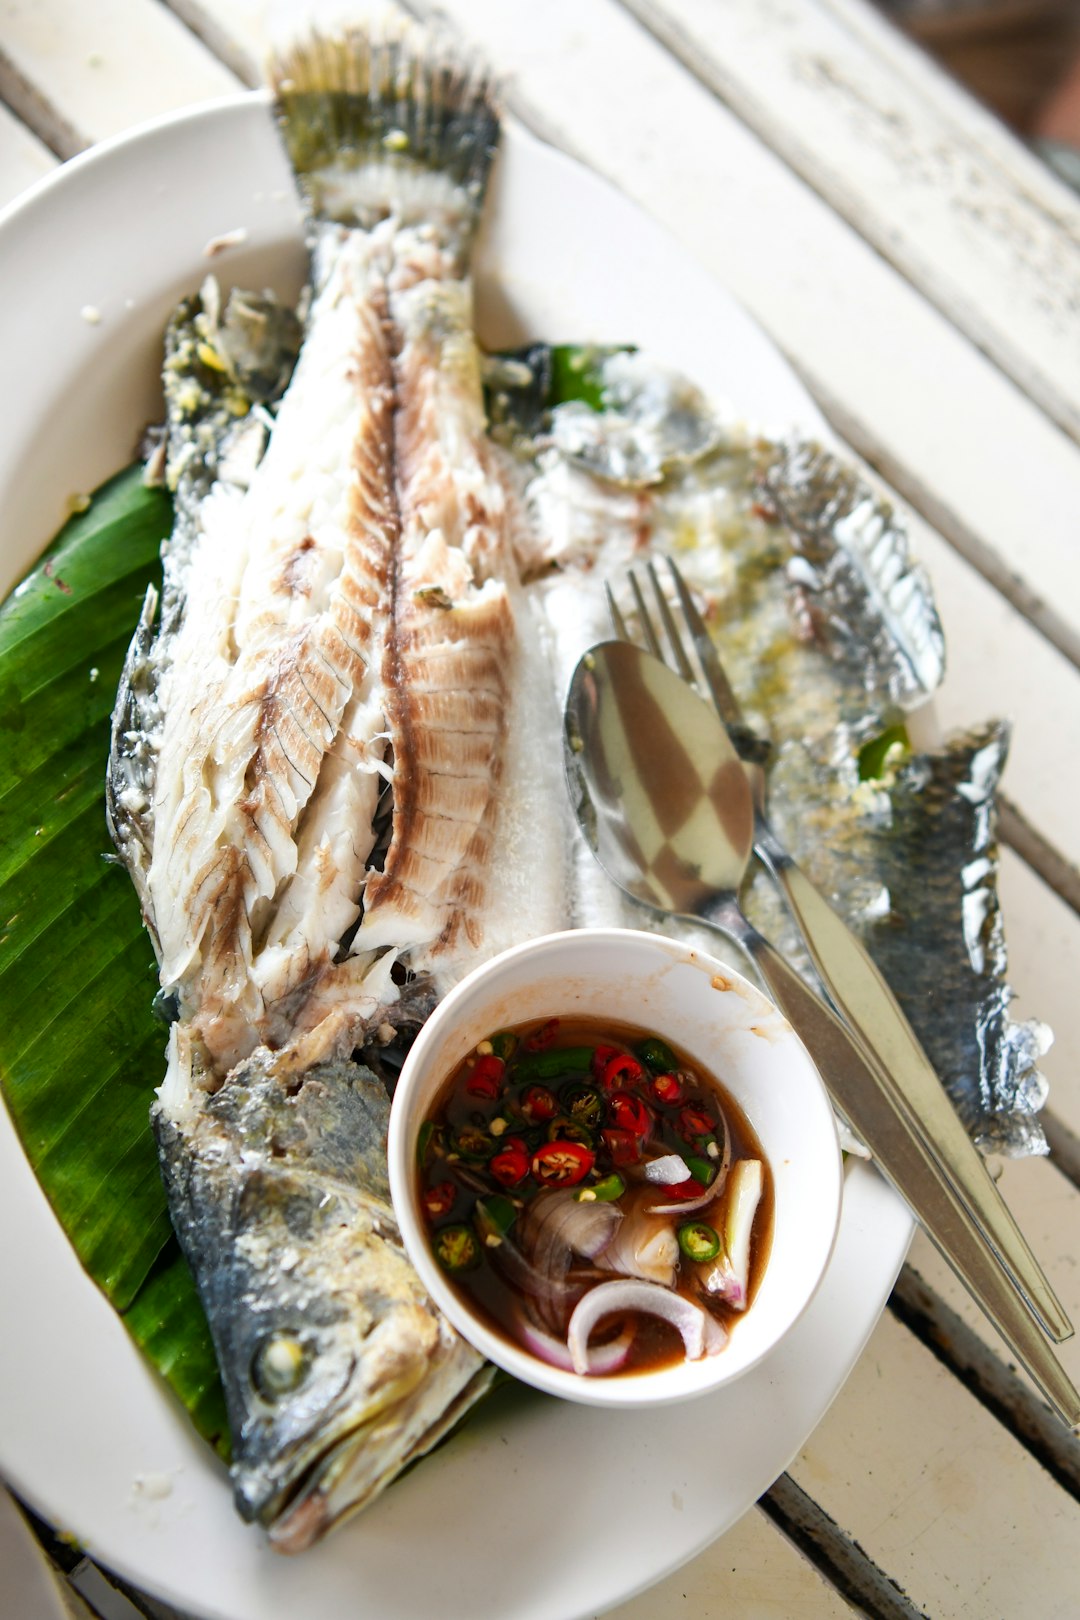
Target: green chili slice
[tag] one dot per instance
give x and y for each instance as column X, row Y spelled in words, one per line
column 495, row 1215
column 473, row 1143
column 504, row 1044
column 583, row 1103
column 702, row 1170
column 457, row 1248
column 555, row 1061
column 564, row 1129
column 657, row 1055
column 423, row 1141
column 698, row 1241
column 602, row 1192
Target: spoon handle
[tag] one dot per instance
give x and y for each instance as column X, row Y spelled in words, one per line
column 864, row 1000
column 874, row 1112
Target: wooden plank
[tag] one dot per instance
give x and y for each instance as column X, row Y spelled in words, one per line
column 752, row 1571
column 896, row 370
column 1047, row 1206
column 938, row 1493
column 996, row 247
column 76, row 74
column 23, row 158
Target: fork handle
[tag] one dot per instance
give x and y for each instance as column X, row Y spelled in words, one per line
column 904, row 1157
column 864, row 1000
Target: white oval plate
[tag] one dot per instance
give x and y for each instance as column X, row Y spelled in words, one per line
column 538, row 1510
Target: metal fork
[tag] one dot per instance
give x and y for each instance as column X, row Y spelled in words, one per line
column 851, row 979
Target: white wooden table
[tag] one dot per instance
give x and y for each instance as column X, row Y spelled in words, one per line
column 921, row 271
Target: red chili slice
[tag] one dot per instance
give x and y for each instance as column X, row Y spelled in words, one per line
column 668, row 1088
column 510, row 1165
column 538, row 1102
column 439, row 1199
column 629, row 1113
column 601, row 1058
column 622, row 1069
column 695, row 1122
column 562, row 1164
column 541, row 1038
column 623, row 1146
column 485, row 1077
column 676, row 1191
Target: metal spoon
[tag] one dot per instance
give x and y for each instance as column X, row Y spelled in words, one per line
column 665, row 805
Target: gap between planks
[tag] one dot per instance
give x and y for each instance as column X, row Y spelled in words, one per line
column 1064, row 1145
column 33, row 108
column 839, row 1558
column 1056, row 871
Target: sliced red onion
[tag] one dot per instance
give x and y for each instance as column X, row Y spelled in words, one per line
column 644, row 1245
column 544, row 1286
column 628, row 1295
column 557, row 1225
column 603, row 1358
column 716, row 1335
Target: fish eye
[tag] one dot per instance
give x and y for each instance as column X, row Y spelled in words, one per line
column 279, row 1365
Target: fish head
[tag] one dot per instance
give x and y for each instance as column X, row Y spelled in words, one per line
column 337, row 1367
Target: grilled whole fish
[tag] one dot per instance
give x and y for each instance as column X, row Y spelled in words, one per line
column 324, row 771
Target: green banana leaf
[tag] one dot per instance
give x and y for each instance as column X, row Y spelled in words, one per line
column 80, row 1052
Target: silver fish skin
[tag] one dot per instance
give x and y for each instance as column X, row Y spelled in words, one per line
column 337, row 1368
column 941, row 944
column 828, row 632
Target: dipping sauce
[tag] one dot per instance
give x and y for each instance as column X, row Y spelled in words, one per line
column 596, row 1195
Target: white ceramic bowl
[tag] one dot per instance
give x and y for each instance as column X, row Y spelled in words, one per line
column 719, row 1020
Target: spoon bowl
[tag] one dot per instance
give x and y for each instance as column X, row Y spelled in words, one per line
column 661, row 795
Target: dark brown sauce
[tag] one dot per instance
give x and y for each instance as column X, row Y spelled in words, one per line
column 484, row 1221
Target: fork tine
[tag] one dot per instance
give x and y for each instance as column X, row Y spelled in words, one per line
column 643, row 614
column 671, row 629
column 617, row 619
column 752, row 749
column 724, row 699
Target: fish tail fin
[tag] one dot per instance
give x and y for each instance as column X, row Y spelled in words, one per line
column 369, row 115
